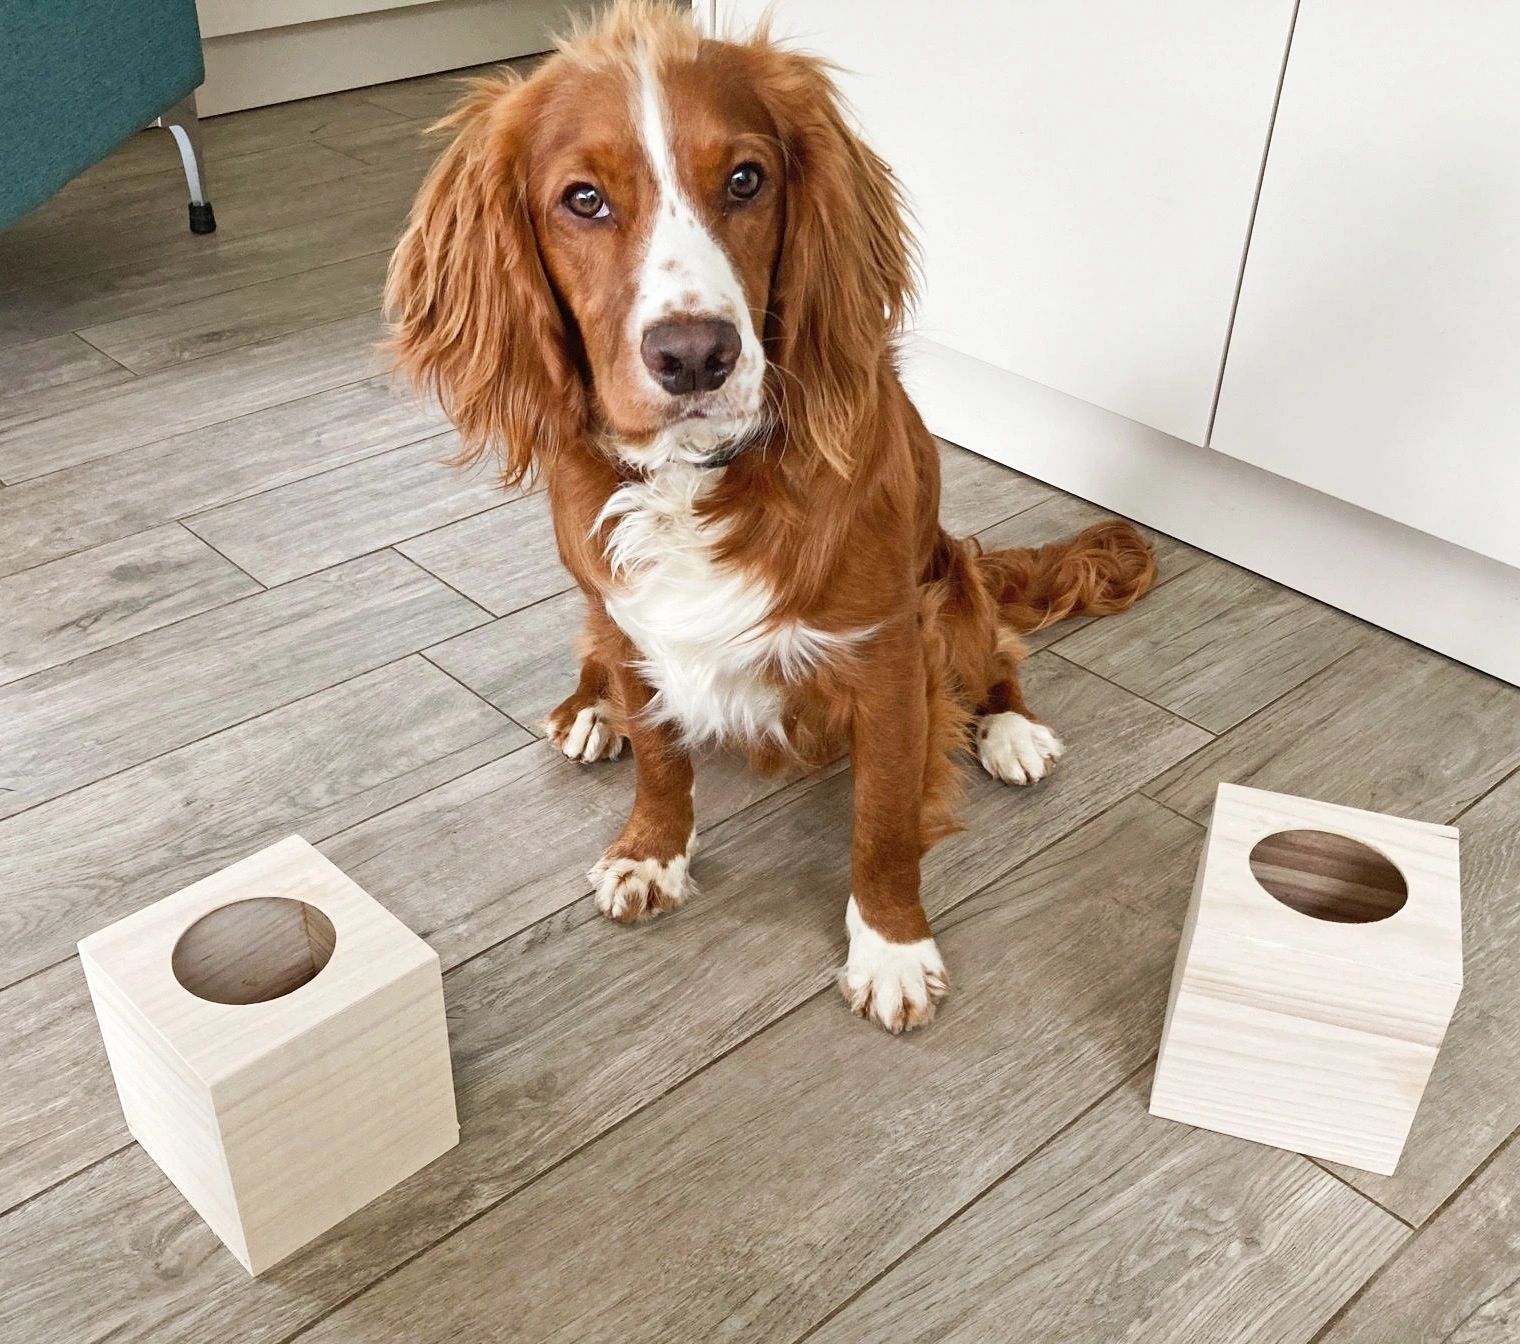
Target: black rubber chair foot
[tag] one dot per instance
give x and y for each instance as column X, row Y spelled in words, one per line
column 202, row 218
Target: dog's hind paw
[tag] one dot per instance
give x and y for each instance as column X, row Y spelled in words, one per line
column 1017, row 750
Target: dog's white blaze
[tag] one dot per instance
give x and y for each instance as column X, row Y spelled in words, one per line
column 717, row 674
column 686, row 271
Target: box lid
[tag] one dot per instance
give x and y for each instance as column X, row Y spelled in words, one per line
column 370, row 949
column 1421, row 941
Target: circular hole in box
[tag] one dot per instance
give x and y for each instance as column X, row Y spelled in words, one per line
column 1328, row 876
column 253, row 951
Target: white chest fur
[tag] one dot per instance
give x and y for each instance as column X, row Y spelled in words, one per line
column 719, row 671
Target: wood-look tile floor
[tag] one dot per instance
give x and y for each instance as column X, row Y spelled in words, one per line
column 242, row 598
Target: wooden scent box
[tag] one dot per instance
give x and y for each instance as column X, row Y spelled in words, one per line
column 279, row 1046
column 1320, row 964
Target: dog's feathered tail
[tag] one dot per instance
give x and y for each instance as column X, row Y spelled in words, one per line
column 1101, row 571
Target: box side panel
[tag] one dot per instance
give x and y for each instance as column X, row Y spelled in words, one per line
column 1184, row 947
column 1369, row 996
column 333, row 1119
column 1324, row 1089
column 167, row 1109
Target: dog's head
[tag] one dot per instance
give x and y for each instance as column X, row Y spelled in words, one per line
column 663, row 244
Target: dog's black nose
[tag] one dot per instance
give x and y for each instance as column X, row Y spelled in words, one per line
column 691, row 354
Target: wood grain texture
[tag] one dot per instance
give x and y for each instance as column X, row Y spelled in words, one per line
column 314, row 767
column 975, row 493
column 1311, row 1033
column 411, row 142
column 58, row 1107
column 1389, row 727
column 152, row 1210
column 503, row 559
column 429, row 96
column 139, row 488
column 77, row 233
column 180, row 273
column 1472, row 1103
column 448, row 866
column 100, row 597
column 1456, row 1281
column 525, row 663
column 569, row 1027
column 227, row 138
column 282, row 1105
column 201, row 393
column 1217, row 644
column 286, row 123
column 1179, row 1236
column 112, row 709
column 748, row 1202
column 54, row 362
column 310, row 524
column 111, row 198
column 221, row 322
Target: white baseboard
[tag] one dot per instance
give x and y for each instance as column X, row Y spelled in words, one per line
column 275, row 64
column 218, row 18
column 1453, row 600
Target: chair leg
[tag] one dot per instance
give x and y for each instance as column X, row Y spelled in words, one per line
column 182, row 123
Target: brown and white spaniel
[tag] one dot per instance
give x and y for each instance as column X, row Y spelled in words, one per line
column 664, row 273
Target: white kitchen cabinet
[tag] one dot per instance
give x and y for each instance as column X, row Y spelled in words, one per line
column 1082, row 175
column 1376, row 351
column 1085, row 175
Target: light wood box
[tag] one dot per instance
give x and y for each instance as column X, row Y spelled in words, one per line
column 315, row 1073
column 1310, row 1020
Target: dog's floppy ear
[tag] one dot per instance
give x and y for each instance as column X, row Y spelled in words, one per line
column 473, row 319
column 846, row 270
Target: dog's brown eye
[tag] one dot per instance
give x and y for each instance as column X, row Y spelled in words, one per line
column 586, row 201
column 745, row 181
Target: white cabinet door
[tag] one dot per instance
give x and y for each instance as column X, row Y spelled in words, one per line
column 1082, row 171
column 1376, row 353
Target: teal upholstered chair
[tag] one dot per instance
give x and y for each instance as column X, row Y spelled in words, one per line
column 77, row 77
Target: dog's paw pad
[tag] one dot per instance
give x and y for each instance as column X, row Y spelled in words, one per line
column 1017, row 750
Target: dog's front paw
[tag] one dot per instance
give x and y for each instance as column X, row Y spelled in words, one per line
column 629, row 889
column 1017, row 750
column 585, row 732
column 895, row 984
